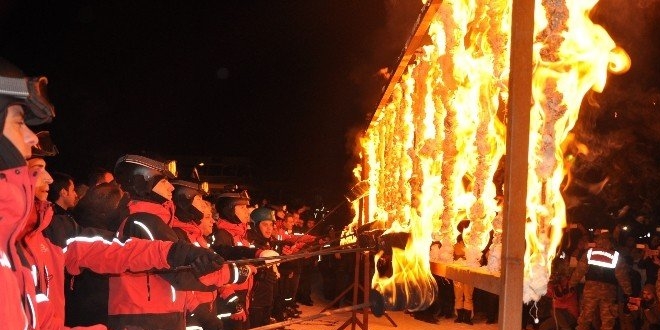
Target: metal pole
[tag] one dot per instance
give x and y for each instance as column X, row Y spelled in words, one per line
column 517, row 150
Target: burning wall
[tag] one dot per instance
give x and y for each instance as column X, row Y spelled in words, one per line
column 433, row 150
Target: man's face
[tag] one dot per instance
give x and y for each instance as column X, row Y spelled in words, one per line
column 242, row 212
column 38, row 166
column 297, row 221
column 206, row 225
column 164, row 188
column 310, row 223
column 288, row 223
column 648, row 295
column 266, row 228
column 69, row 196
column 17, row 132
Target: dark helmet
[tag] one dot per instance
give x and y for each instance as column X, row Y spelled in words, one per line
column 184, row 193
column 227, row 200
column 138, row 174
column 262, row 214
column 16, row 88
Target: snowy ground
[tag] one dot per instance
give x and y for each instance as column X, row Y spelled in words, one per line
column 400, row 319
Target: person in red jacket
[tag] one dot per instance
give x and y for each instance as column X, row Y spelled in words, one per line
column 190, row 216
column 154, row 300
column 21, row 104
column 231, row 231
column 47, row 256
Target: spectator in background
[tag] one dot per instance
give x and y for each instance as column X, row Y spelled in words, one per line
column 650, row 262
column 95, row 177
column 261, row 302
column 645, row 309
column 462, row 291
column 86, row 294
column 565, row 307
column 285, row 306
column 99, row 175
column 62, row 193
column 604, row 272
column 307, row 266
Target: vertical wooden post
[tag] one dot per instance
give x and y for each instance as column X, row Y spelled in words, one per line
column 517, row 150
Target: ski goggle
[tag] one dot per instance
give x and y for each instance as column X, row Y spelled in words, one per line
column 201, row 187
column 45, row 147
column 167, row 169
column 33, row 92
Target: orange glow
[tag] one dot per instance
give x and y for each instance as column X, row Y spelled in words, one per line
column 432, row 152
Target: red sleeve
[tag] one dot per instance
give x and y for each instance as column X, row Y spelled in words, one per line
column 225, row 291
column 114, row 257
column 191, row 301
column 218, row 278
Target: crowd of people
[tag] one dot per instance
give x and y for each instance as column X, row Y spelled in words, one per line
column 137, row 247
column 602, row 279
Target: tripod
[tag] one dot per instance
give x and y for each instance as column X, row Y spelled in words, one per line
column 356, row 287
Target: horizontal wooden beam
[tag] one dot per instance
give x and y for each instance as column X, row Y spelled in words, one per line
column 477, row 277
column 420, row 31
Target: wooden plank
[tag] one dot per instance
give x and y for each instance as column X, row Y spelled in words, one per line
column 420, row 30
column 515, row 172
column 477, row 277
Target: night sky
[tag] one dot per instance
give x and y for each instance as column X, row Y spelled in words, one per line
column 285, row 83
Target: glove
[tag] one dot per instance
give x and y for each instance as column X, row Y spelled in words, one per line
column 240, row 316
column 207, row 263
column 233, row 304
column 183, row 253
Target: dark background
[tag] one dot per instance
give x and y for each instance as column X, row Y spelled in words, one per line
column 287, row 84
column 284, row 84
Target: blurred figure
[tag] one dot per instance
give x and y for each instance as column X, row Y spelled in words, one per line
column 646, row 309
column 462, row 291
column 604, row 272
column 287, row 286
column 565, row 308
column 307, row 266
column 261, row 302
column 99, row 175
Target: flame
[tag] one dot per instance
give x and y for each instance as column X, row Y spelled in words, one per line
column 431, row 154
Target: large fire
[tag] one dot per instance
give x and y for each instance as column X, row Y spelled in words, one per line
column 432, row 152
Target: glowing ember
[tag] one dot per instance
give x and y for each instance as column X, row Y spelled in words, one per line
column 432, row 152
